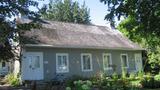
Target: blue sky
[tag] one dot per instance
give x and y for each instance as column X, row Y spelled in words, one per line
column 97, row 11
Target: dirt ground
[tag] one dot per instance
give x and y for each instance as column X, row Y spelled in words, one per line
column 6, row 87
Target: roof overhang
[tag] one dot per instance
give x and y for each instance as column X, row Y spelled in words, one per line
column 82, row 47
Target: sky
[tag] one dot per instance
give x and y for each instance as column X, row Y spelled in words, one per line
column 97, row 11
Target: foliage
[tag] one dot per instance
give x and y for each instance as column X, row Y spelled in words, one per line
column 12, row 79
column 70, row 81
column 146, row 14
column 83, row 85
column 9, row 11
column 67, row 11
column 132, row 81
column 157, row 77
column 149, row 42
column 68, row 88
column 150, row 81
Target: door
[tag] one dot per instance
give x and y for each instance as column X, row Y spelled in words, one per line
column 138, row 62
column 32, row 66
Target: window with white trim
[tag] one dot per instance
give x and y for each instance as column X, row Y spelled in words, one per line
column 62, row 64
column 107, row 61
column 86, row 62
column 124, row 60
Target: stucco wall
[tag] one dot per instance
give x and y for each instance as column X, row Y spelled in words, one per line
column 49, row 59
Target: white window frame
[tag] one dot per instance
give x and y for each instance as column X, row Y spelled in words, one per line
column 90, row 55
column 107, row 68
column 67, row 58
column 122, row 61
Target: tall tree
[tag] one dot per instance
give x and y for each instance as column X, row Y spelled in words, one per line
column 145, row 12
column 67, row 11
column 9, row 10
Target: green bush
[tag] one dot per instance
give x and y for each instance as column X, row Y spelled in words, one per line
column 12, row 79
column 157, row 81
column 83, row 85
column 157, row 77
column 70, row 81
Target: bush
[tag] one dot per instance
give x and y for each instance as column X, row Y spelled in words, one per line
column 70, row 81
column 12, row 79
column 83, row 85
column 151, row 81
column 157, row 81
column 157, row 77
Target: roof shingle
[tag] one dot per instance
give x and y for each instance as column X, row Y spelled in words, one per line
column 60, row 34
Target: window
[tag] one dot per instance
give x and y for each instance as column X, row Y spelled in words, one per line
column 86, row 62
column 62, row 64
column 107, row 61
column 124, row 60
column 34, row 61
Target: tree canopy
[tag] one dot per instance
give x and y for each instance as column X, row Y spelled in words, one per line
column 67, row 11
column 9, row 11
column 146, row 14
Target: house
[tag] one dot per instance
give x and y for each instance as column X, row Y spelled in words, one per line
column 61, row 50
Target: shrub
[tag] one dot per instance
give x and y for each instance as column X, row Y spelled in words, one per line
column 12, row 79
column 83, row 85
column 68, row 88
column 157, row 77
column 157, row 81
column 149, row 81
column 132, row 76
column 70, row 81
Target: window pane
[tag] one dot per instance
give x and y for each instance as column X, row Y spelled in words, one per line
column 65, row 60
column 107, row 62
column 124, row 60
column 59, row 60
column 86, row 62
column 37, row 62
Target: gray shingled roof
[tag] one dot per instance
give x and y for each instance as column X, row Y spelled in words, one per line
column 60, row 34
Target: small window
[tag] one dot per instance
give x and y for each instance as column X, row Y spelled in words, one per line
column 107, row 61
column 124, row 60
column 62, row 64
column 86, row 62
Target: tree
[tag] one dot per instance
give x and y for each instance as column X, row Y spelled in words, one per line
column 150, row 43
column 145, row 12
column 67, row 11
column 141, row 24
column 9, row 11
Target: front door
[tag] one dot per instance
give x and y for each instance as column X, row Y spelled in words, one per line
column 138, row 62
column 32, row 66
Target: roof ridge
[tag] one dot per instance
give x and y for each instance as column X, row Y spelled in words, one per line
column 75, row 23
